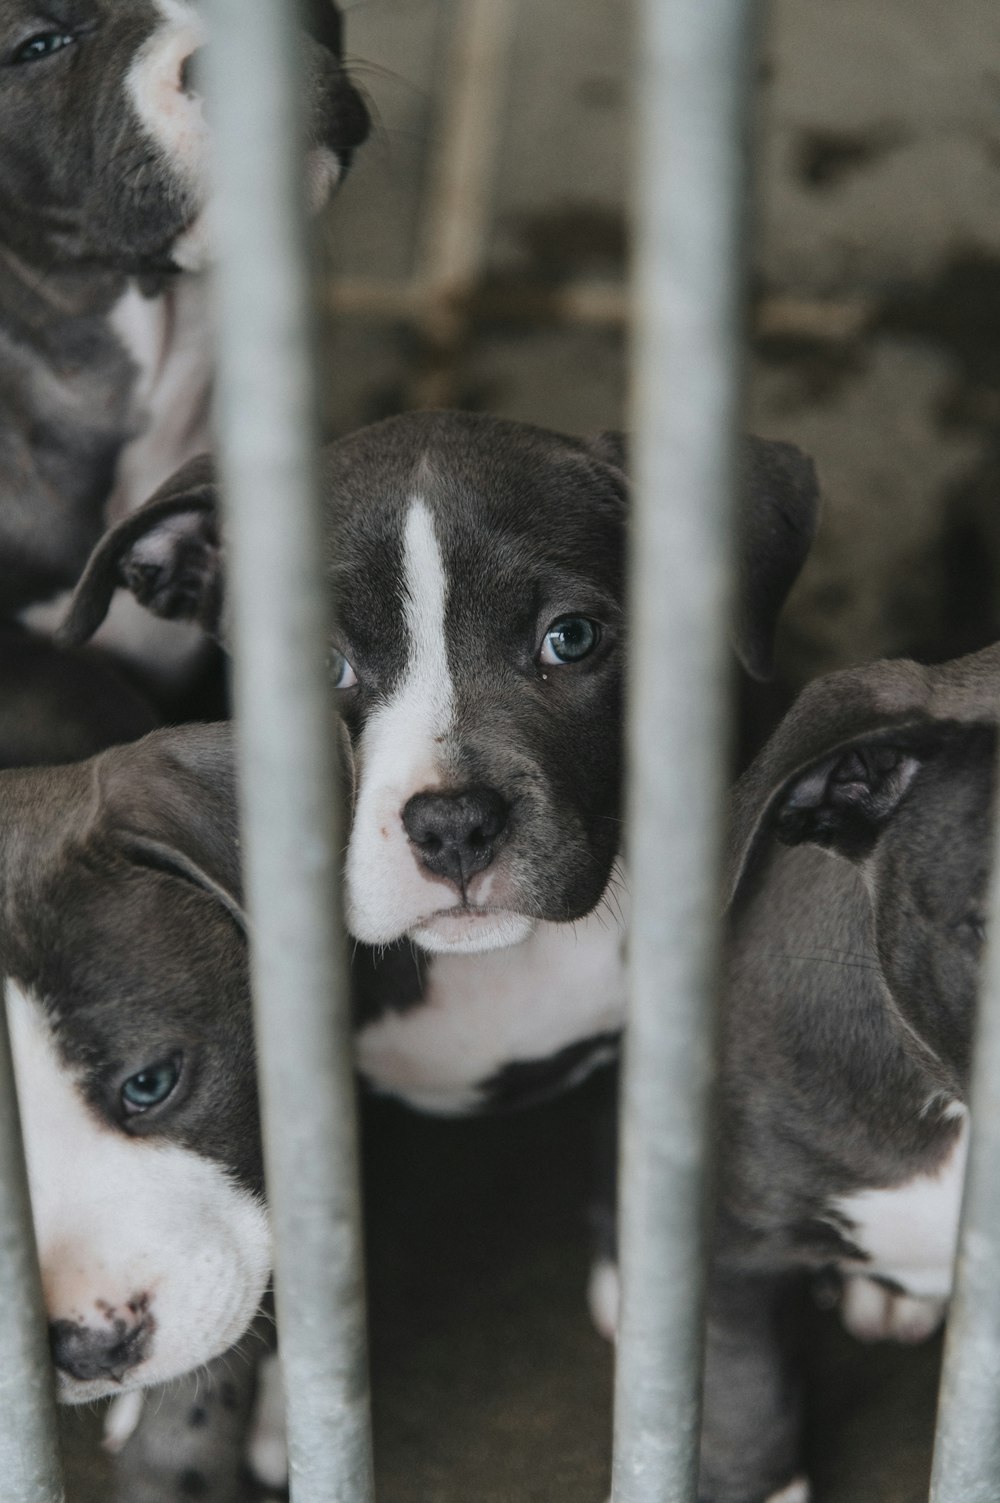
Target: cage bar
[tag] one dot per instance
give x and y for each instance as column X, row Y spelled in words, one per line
column 267, row 432
column 967, row 1444
column 29, row 1445
column 692, row 59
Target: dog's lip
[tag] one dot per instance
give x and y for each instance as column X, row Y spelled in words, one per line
column 463, row 910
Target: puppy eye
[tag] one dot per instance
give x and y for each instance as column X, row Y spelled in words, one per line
column 570, row 640
column 151, row 1086
column 43, row 45
column 342, row 675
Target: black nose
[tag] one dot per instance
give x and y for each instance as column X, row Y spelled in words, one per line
column 108, row 1352
column 191, row 70
column 456, row 834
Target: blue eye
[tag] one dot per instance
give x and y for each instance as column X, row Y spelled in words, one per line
column 570, row 640
column 342, row 675
column 152, row 1086
column 43, row 45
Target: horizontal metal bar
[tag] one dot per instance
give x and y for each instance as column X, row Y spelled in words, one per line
column 967, row 1445
column 692, row 69
column 30, row 1470
column 286, row 735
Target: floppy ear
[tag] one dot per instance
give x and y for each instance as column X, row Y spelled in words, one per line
column 843, row 759
column 170, row 802
column 775, row 525
column 168, row 554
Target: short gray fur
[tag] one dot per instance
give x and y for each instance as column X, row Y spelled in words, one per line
column 967, row 1444
column 692, row 57
column 266, row 413
column 29, row 1450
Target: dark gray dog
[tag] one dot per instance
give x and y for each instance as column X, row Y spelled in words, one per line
column 105, row 361
column 478, row 572
column 852, row 987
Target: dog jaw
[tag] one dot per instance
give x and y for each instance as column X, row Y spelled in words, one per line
column 471, row 931
column 129, row 1230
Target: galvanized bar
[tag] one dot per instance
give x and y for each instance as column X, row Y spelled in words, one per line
column 692, row 68
column 29, row 1449
column 279, row 612
column 967, row 1445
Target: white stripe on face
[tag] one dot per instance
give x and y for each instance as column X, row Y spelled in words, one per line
column 120, row 1220
column 400, row 754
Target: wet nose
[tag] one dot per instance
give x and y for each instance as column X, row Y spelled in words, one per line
column 110, row 1351
column 191, row 73
column 456, row 835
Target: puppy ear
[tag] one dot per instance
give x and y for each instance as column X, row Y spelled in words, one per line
column 168, row 554
column 170, row 802
column 776, row 524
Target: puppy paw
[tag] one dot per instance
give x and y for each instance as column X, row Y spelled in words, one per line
column 871, row 1312
column 603, row 1298
column 267, row 1446
column 122, row 1420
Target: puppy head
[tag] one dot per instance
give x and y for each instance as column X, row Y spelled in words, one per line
column 892, row 767
column 103, row 139
column 478, row 571
column 122, row 946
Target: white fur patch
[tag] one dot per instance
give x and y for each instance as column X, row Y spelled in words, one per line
column 122, row 1420
column 120, row 1220
column 871, row 1312
column 604, row 1297
column 482, row 1012
column 267, row 1447
column 388, row 891
column 910, row 1232
column 796, row 1492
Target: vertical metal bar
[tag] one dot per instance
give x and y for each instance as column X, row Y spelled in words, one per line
column 693, row 67
column 967, row 1445
column 29, row 1447
column 267, row 431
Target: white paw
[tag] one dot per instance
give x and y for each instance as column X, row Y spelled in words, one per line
column 795, row 1492
column 873, row 1313
column 121, row 1419
column 267, row 1447
column 604, row 1297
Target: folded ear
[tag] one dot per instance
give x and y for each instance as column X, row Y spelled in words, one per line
column 168, row 554
column 775, row 526
column 776, row 520
column 845, row 756
column 170, row 802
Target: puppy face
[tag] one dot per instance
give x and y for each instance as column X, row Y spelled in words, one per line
column 133, row 1049
column 103, row 140
column 478, row 570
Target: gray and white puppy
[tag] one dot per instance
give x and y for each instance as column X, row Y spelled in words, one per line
column 477, row 568
column 105, row 356
column 123, row 953
column 860, row 852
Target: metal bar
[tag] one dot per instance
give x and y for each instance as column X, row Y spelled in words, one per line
column 29, row 1447
column 692, row 69
column 967, row 1445
column 286, row 736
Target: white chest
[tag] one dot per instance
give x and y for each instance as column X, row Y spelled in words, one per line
column 910, row 1232
column 481, row 1013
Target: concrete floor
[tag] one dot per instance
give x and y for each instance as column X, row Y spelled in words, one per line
column 875, row 332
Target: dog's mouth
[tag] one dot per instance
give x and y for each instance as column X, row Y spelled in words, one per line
column 471, row 928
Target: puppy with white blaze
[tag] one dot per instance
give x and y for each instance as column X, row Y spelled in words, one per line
column 106, row 358
column 477, row 570
column 123, row 955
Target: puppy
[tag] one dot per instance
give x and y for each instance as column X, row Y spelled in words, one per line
column 123, row 954
column 477, row 569
column 105, row 357
column 847, row 1035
